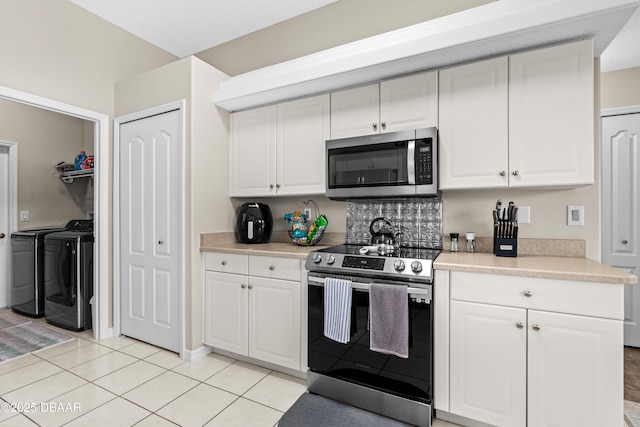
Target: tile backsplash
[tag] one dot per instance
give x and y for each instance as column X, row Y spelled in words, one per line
column 419, row 221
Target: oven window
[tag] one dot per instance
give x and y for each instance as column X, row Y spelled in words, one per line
column 355, row 362
column 376, row 165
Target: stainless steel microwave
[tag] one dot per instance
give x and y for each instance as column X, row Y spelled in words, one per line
column 395, row 164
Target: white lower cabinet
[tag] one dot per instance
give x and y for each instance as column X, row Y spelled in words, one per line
column 521, row 364
column 253, row 307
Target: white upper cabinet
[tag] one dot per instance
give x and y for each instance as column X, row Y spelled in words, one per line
column 521, row 121
column 279, row 149
column 405, row 103
column 301, row 131
column 253, row 152
column 551, row 116
column 474, row 125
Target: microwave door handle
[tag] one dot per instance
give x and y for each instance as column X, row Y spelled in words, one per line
column 411, row 162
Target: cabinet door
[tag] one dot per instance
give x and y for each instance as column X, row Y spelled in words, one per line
column 274, row 321
column 575, row 370
column 409, row 102
column 551, row 110
column 225, row 311
column 302, row 129
column 488, row 363
column 253, row 152
column 355, row 112
column 474, row 125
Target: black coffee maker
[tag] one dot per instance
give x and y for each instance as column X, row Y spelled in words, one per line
column 254, row 223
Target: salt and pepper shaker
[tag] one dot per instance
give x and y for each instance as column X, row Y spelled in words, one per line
column 454, row 242
column 471, row 242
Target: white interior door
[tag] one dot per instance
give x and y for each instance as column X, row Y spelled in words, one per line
column 150, row 247
column 5, row 232
column 621, row 209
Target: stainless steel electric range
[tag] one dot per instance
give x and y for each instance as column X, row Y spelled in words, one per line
column 399, row 388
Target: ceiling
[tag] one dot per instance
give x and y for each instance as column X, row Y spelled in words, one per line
column 187, row 27
column 202, row 24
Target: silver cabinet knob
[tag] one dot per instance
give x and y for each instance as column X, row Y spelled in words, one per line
column 503, row 173
column 2, row 235
column 375, row 126
column 271, row 186
column 272, row 267
column 250, row 286
column 624, row 242
column 515, row 173
column 519, row 325
column 536, row 328
column 527, row 293
column 160, row 242
column 277, row 185
column 384, row 125
column 223, row 262
column 243, row 286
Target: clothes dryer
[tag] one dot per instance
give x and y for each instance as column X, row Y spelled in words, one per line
column 26, row 287
column 68, row 276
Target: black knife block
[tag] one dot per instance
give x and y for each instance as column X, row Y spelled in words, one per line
column 505, row 246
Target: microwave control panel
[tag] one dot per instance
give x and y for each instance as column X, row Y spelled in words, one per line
column 424, row 161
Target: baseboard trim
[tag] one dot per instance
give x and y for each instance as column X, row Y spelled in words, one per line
column 198, row 353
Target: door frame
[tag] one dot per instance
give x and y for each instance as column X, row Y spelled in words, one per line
column 102, row 230
column 13, row 202
column 153, row 111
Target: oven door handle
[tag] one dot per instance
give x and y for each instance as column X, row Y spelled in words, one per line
column 319, row 281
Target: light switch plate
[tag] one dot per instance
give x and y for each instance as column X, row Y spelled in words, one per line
column 307, row 213
column 524, row 215
column 24, row 216
column 575, row 215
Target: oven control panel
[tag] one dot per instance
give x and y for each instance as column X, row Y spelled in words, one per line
column 392, row 267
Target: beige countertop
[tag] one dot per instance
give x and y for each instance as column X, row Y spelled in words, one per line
column 282, row 250
column 547, row 267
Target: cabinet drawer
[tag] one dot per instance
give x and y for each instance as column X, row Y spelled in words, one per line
column 563, row 296
column 276, row 268
column 226, row 263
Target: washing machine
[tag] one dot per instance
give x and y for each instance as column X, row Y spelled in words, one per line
column 68, row 276
column 26, row 287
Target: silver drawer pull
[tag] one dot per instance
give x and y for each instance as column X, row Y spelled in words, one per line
column 536, row 328
column 528, row 293
column 272, row 267
column 224, row 263
column 243, row 286
column 519, row 325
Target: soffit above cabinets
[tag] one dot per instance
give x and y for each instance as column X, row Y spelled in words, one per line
column 496, row 28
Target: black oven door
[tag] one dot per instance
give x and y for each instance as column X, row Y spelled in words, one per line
column 409, row 378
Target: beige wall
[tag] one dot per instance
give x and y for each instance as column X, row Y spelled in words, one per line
column 44, row 139
column 333, row 25
column 208, row 207
column 621, row 88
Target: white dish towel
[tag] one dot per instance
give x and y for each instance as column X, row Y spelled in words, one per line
column 337, row 309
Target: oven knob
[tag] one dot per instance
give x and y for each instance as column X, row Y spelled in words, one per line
column 330, row 259
column 317, row 258
column 416, row 266
column 398, row 265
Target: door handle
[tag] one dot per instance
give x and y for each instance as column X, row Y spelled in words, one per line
column 2, row 235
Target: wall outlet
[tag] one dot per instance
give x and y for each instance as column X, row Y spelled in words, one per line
column 575, row 215
column 24, row 216
column 307, row 213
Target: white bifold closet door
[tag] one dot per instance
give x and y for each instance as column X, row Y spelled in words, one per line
column 150, row 177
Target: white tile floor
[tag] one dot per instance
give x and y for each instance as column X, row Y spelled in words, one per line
column 124, row 382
